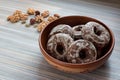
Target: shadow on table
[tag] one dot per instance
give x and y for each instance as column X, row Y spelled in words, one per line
column 102, row 73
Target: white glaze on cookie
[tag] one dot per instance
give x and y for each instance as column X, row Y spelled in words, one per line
column 100, row 38
column 62, row 28
column 73, row 54
column 77, row 32
column 59, row 39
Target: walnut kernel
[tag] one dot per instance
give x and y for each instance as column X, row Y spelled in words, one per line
column 14, row 19
column 57, row 15
column 17, row 12
column 52, row 18
column 30, row 11
column 42, row 25
column 39, row 19
column 9, row 17
column 23, row 17
column 45, row 14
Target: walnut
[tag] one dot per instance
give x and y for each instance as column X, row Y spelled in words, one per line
column 31, row 11
column 52, row 18
column 39, row 19
column 23, row 17
column 17, row 17
column 14, row 19
column 45, row 14
column 9, row 17
column 39, row 27
column 17, row 12
column 42, row 25
column 57, row 15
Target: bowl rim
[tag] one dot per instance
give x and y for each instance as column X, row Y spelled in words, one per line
column 76, row 64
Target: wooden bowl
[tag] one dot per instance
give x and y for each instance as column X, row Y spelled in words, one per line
column 70, row 67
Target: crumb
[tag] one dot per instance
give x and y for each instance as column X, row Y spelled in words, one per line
column 23, row 22
column 27, row 25
column 35, row 26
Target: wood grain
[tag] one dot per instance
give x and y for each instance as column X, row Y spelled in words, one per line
column 20, row 57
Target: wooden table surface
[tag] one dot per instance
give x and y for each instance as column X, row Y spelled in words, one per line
column 20, row 57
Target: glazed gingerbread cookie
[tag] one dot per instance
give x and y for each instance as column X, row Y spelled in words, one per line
column 78, row 44
column 62, row 28
column 81, row 51
column 97, row 34
column 58, row 45
column 77, row 31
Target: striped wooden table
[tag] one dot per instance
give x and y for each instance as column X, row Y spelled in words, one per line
column 20, row 57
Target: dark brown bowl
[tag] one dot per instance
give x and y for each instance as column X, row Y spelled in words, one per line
column 70, row 67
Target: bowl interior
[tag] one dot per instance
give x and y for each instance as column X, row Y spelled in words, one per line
column 72, row 21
